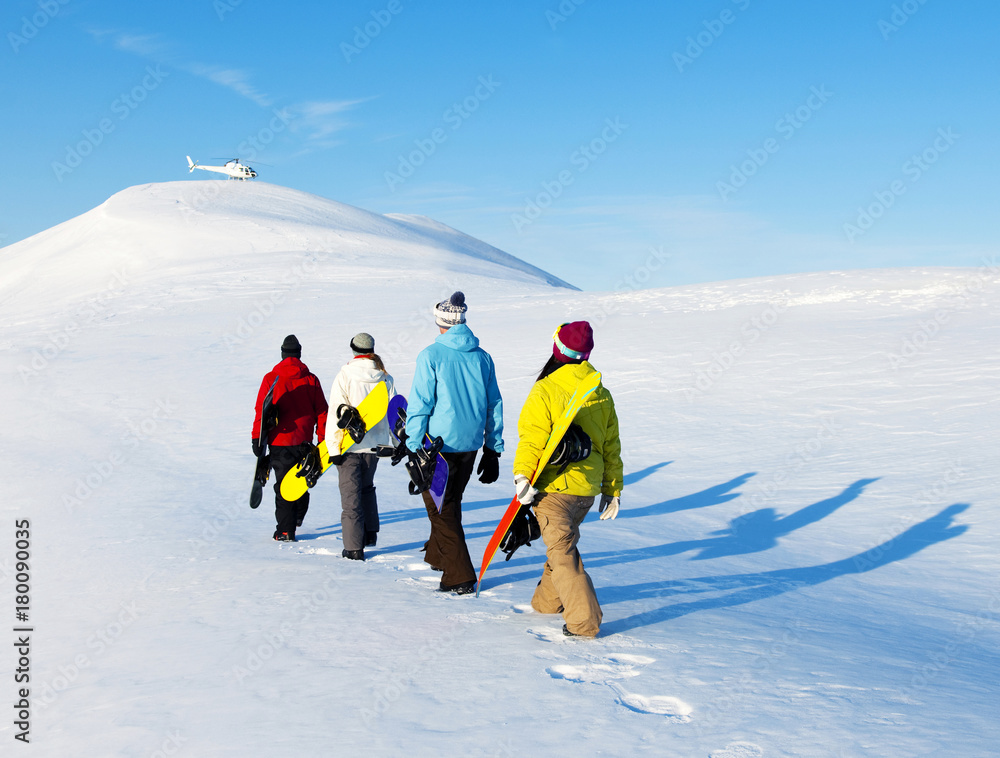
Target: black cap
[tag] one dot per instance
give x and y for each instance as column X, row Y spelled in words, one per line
column 291, row 347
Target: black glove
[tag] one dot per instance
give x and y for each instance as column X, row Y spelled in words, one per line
column 489, row 466
column 255, row 443
column 336, row 460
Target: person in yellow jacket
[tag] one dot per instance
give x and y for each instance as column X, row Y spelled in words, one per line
column 563, row 495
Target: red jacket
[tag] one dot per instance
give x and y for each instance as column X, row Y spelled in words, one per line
column 300, row 402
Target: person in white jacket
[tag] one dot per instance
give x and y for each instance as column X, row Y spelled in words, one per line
column 356, row 468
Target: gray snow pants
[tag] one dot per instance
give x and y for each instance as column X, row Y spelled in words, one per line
column 357, row 498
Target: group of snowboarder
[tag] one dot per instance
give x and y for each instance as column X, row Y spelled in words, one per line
column 455, row 400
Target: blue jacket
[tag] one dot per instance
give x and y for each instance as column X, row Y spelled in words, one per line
column 455, row 395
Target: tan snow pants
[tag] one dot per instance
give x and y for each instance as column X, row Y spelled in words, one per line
column 565, row 587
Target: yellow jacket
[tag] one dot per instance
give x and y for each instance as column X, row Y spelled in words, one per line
column 601, row 472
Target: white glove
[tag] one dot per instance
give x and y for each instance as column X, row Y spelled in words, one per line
column 525, row 492
column 608, row 507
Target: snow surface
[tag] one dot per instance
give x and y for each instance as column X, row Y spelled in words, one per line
column 805, row 563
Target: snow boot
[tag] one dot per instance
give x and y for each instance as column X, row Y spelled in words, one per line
column 464, row 588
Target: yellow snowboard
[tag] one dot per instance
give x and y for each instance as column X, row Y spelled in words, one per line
column 372, row 409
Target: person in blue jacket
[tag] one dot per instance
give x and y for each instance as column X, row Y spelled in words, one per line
column 455, row 396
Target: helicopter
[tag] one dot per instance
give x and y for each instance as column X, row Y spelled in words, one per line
column 233, row 169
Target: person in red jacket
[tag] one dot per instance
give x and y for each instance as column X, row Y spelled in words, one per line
column 301, row 407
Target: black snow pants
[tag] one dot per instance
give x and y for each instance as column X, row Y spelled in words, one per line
column 287, row 514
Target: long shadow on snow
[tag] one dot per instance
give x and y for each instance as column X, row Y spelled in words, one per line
column 720, row 493
column 747, row 588
column 750, row 533
column 638, row 476
column 760, row 530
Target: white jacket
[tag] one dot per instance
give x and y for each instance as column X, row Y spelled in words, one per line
column 352, row 385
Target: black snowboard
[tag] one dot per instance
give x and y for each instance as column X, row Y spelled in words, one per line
column 268, row 419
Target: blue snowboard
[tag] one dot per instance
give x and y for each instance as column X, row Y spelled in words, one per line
column 397, row 419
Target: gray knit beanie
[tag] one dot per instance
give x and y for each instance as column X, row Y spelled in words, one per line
column 363, row 344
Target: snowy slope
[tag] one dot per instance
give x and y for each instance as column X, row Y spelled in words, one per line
column 805, row 563
column 215, row 229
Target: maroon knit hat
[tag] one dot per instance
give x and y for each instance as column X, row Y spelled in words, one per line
column 573, row 342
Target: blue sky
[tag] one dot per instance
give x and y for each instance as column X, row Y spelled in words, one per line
column 609, row 143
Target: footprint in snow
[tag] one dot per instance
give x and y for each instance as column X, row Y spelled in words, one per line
column 608, row 670
column 738, row 750
column 657, row 705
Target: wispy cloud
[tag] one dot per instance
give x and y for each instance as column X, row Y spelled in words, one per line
column 159, row 50
column 314, row 122
column 146, row 45
column 235, row 79
column 317, row 121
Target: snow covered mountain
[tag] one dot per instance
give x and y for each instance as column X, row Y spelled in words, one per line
column 210, row 228
column 805, row 563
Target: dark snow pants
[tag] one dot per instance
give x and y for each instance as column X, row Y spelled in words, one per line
column 446, row 548
column 286, row 513
column 359, row 508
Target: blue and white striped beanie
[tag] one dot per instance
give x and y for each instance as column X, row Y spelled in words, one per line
column 450, row 312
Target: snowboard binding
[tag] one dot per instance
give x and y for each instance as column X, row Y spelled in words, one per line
column 399, row 452
column 523, row 530
column 420, row 465
column 349, row 419
column 575, row 446
column 312, row 467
